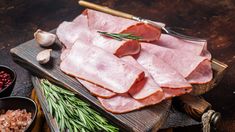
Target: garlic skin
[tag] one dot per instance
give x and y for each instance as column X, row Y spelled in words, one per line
column 44, row 56
column 44, row 38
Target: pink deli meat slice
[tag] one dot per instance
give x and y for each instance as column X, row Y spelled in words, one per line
column 172, row 92
column 184, row 62
column 147, row 86
column 202, row 74
column 96, row 90
column 64, row 53
column 194, row 47
column 163, row 74
column 118, row 48
column 99, row 67
column 123, row 103
column 69, row 32
column 141, row 90
column 108, row 23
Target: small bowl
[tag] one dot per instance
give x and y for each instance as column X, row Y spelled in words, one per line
column 17, row 102
column 7, row 90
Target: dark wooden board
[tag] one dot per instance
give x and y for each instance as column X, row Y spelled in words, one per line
column 150, row 118
column 25, row 55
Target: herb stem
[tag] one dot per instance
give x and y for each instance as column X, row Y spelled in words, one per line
column 120, row 36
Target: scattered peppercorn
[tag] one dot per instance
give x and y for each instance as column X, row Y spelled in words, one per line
column 5, row 79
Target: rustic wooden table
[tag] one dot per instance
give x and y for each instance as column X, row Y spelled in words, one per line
column 211, row 19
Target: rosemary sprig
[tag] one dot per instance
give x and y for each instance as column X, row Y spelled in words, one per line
column 120, row 36
column 72, row 113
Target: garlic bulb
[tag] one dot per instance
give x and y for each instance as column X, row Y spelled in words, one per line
column 44, row 56
column 43, row 38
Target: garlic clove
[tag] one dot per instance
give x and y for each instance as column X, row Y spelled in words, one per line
column 44, row 56
column 44, row 38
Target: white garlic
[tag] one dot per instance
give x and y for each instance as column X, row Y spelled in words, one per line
column 44, row 38
column 44, row 56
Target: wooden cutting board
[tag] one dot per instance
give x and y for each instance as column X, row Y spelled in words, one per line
column 150, row 118
column 147, row 119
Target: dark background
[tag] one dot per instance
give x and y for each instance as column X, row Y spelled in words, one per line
column 211, row 19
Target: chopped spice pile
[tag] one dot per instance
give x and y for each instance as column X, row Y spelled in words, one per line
column 15, row 120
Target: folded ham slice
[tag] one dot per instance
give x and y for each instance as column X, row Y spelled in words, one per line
column 161, row 69
column 163, row 74
column 194, row 47
column 184, row 62
column 123, row 103
column 108, row 23
column 96, row 90
column 202, row 74
column 69, row 32
column 118, row 48
column 147, row 86
column 99, row 67
column 141, row 90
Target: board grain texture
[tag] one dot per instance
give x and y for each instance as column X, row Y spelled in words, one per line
column 146, row 119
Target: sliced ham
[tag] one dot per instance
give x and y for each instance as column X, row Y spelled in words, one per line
column 108, row 23
column 118, row 48
column 163, row 68
column 173, row 92
column 184, row 62
column 69, row 32
column 64, row 53
column 147, row 86
column 163, row 74
column 202, row 74
column 105, row 22
column 194, row 47
column 97, row 90
column 99, row 67
column 147, row 32
column 123, row 103
column 141, row 90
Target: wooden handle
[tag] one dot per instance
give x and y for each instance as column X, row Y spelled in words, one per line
column 196, row 106
column 105, row 9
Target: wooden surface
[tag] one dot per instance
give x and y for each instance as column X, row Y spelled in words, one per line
column 195, row 106
column 211, row 19
column 140, row 120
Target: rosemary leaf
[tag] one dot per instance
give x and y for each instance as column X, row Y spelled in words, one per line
column 83, row 130
column 56, row 116
column 120, row 36
column 50, row 106
column 62, row 123
column 75, row 129
column 68, row 126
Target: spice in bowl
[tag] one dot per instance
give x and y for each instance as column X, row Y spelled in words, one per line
column 15, row 120
column 5, row 79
